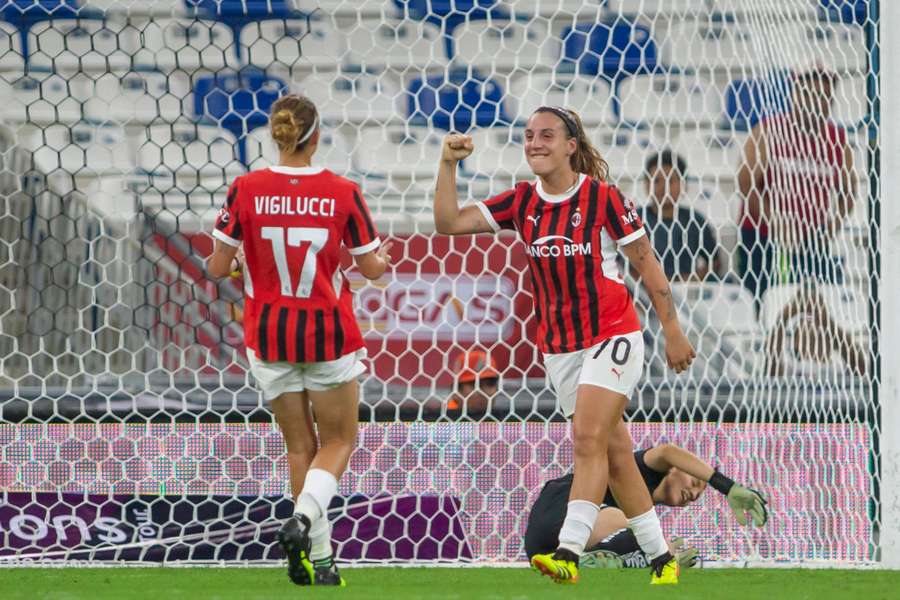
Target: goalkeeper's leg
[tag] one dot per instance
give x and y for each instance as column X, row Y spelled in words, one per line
column 633, row 498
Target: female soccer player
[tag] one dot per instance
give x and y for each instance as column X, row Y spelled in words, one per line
column 571, row 221
column 303, row 344
column 673, row 476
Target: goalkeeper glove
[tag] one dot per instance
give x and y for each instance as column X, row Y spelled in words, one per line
column 603, row 559
column 686, row 556
column 743, row 500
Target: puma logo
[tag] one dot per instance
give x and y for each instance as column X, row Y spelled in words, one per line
column 532, row 219
column 617, row 372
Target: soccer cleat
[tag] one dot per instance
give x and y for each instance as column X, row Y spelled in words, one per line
column 664, row 570
column 561, row 566
column 293, row 537
column 327, row 573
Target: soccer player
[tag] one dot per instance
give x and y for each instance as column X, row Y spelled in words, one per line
column 572, row 221
column 673, row 476
column 303, row 343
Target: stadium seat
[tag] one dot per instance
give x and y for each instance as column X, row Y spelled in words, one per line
column 846, row 304
column 624, row 149
column 292, row 42
column 237, row 101
column 85, row 149
column 44, row 96
column 190, row 149
column 844, row 45
column 668, row 97
column 186, row 44
column 333, row 152
column 498, row 151
column 398, row 151
column 721, row 209
column 157, row 8
column 139, row 95
column 651, row 8
column 748, row 100
column 613, row 49
column 253, row 9
column 846, row 11
column 352, row 95
column 331, row 7
column 76, row 44
column 461, row 100
column 711, row 154
column 851, row 101
column 11, row 58
column 726, row 307
column 395, row 44
column 496, row 44
column 589, row 96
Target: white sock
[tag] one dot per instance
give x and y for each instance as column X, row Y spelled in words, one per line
column 576, row 530
column 649, row 534
column 320, row 539
column 319, row 488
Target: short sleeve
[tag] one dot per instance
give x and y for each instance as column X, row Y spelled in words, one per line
column 499, row 210
column 622, row 219
column 228, row 221
column 360, row 235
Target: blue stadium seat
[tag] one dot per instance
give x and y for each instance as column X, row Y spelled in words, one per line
column 447, row 15
column 250, row 9
column 613, row 49
column 15, row 10
column 237, row 101
column 749, row 100
column 457, row 102
column 845, row 11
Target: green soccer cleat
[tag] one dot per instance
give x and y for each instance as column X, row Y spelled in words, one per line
column 561, row 566
column 293, row 537
column 327, row 573
column 664, row 570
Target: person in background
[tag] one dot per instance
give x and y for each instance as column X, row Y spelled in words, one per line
column 477, row 382
column 683, row 240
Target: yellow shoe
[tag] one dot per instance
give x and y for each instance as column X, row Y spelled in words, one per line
column 664, row 572
column 561, row 566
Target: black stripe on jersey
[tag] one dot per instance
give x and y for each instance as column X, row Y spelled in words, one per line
column 338, row 334
column 232, row 195
column 612, row 217
column 523, row 207
column 590, row 219
column 354, row 232
column 503, row 205
column 320, row 335
column 559, row 323
column 575, row 299
column 263, row 332
column 281, row 333
column 364, row 214
column 301, row 336
column 542, row 289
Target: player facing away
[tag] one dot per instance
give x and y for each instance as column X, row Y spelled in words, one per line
column 572, row 221
column 673, row 475
column 303, row 343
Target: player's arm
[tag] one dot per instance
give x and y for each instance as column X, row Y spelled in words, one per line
column 372, row 265
column 679, row 352
column 665, row 456
column 449, row 219
column 751, row 175
column 846, row 193
column 226, row 258
column 223, row 261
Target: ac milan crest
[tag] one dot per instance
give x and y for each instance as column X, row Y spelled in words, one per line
column 576, row 219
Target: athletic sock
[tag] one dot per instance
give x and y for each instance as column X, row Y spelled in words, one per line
column 576, row 530
column 319, row 488
column 320, row 539
column 649, row 534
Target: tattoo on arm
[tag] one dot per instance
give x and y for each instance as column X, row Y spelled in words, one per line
column 666, row 303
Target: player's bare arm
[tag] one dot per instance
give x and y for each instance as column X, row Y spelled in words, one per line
column 223, row 260
column 751, row 175
column 449, row 219
column 373, row 264
column 665, row 456
column 679, row 352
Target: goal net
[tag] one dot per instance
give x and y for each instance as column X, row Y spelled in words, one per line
column 130, row 429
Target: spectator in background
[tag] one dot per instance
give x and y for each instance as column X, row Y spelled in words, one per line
column 477, row 382
column 683, row 240
column 797, row 187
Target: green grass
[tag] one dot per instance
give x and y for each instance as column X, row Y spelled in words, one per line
column 433, row 582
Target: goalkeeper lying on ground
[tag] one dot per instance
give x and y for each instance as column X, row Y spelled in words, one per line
column 674, row 477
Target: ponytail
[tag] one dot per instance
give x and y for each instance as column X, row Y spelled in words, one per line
column 586, row 159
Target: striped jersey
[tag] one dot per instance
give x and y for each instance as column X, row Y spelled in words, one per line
column 571, row 246
column 292, row 222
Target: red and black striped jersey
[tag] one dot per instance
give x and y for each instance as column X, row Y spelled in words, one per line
column 570, row 242
column 292, row 221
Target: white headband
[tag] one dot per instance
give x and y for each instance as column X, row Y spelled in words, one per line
column 310, row 131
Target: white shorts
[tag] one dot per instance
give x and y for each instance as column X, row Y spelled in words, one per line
column 615, row 364
column 276, row 378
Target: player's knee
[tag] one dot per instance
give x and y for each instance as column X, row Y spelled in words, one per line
column 589, row 442
column 301, row 453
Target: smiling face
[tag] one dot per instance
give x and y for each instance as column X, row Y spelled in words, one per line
column 547, row 144
column 678, row 489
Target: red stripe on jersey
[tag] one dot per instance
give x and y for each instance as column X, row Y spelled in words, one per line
column 291, row 335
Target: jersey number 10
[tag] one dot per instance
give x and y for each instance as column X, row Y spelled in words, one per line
column 317, row 238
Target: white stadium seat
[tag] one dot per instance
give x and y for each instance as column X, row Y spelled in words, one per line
column 851, row 103
column 134, row 96
column 396, row 44
column 292, row 42
column 186, row 44
column 189, row 149
column 85, row 149
column 344, row 95
column 726, row 307
column 44, row 96
column 504, row 44
column 668, row 98
column 589, row 96
column 625, row 150
column 650, row 8
column 63, row 44
column 142, row 7
column 711, row 154
column 333, row 152
column 11, row 58
column 398, row 151
column 841, row 47
column 498, row 151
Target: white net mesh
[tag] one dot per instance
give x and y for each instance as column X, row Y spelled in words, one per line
column 128, row 427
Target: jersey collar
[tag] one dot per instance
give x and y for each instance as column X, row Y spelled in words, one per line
column 296, row 170
column 557, row 198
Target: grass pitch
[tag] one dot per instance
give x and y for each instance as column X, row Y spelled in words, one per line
column 444, row 583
